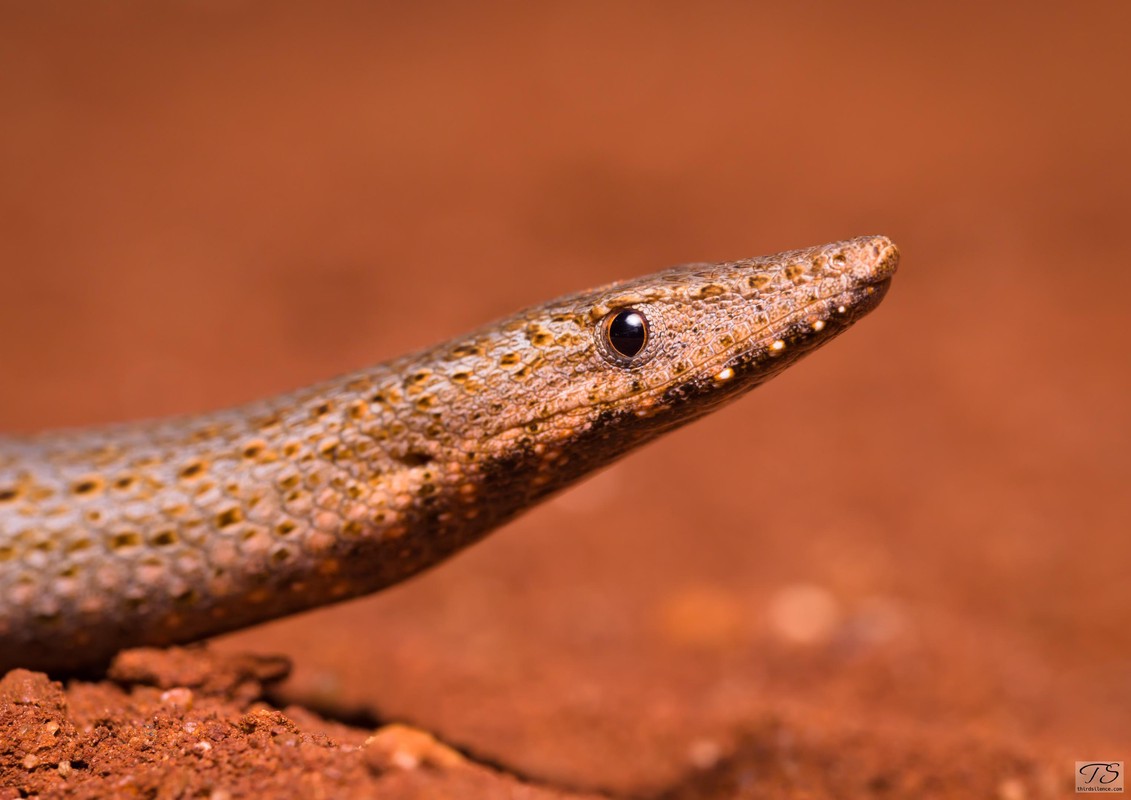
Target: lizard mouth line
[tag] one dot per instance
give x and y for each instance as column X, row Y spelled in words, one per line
column 854, row 300
column 849, row 304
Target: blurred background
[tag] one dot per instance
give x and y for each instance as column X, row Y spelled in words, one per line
column 907, row 557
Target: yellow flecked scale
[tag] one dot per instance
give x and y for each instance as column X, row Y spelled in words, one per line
column 170, row 531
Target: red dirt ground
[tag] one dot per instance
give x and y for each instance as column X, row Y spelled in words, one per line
column 899, row 570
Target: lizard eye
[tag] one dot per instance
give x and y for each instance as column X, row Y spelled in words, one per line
column 626, row 331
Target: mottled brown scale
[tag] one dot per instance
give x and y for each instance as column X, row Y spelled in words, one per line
column 174, row 530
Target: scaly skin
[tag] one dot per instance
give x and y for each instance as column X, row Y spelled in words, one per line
column 170, row 531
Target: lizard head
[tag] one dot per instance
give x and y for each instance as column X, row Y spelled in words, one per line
column 631, row 359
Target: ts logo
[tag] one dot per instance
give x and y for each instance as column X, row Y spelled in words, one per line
column 1099, row 776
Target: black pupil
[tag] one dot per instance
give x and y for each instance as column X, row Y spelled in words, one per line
column 628, row 332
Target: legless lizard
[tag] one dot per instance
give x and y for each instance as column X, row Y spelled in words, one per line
column 170, row 531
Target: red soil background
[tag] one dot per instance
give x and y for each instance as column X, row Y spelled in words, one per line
column 901, row 568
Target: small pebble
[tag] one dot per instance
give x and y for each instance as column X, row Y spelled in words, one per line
column 702, row 616
column 403, row 748
column 1012, row 789
column 179, row 697
column 804, row 613
column 704, row 754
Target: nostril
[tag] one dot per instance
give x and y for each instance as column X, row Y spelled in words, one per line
column 888, row 261
column 882, row 258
